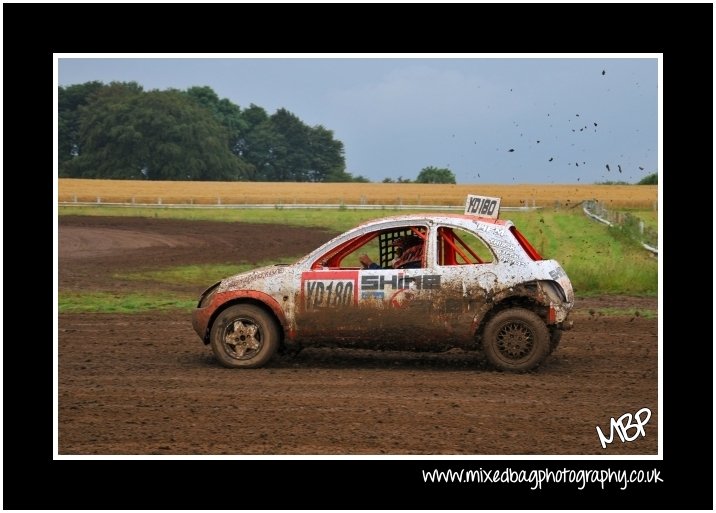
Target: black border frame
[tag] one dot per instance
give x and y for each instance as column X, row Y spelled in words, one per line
column 32, row 480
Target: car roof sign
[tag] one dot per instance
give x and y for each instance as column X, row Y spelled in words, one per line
column 482, row 206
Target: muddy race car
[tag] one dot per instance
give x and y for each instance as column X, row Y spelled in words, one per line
column 439, row 281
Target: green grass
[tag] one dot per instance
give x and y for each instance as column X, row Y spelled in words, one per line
column 650, row 217
column 197, row 274
column 598, row 260
column 104, row 302
column 334, row 219
column 624, row 312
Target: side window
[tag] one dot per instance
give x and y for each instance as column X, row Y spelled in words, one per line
column 352, row 258
column 347, row 255
column 460, row 247
column 398, row 248
column 402, row 248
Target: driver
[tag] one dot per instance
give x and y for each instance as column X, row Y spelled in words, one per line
column 408, row 252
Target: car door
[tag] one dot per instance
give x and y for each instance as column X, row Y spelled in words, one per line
column 400, row 299
column 467, row 269
column 328, row 309
column 341, row 302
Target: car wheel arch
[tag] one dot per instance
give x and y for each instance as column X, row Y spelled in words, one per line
column 266, row 303
column 516, row 339
column 504, row 303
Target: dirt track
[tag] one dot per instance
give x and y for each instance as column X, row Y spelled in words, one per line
column 145, row 384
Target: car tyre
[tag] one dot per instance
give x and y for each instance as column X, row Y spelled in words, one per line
column 244, row 336
column 516, row 340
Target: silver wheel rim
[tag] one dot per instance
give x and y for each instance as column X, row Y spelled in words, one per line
column 515, row 341
column 242, row 339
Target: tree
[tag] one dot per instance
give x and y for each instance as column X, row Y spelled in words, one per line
column 344, row 176
column 293, row 155
column 282, row 148
column 104, row 101
column 433, row 174
column 326, row 156
column 120, row 131
column 69, row 101
column 224, row 111
column 652, row 179
column 158, row 135
column 249, row 145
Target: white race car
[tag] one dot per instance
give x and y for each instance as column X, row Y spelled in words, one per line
column 440, row 281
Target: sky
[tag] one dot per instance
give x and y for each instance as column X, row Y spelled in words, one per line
column 506, row 119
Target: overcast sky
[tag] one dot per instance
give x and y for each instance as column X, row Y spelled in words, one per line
column 487, row 119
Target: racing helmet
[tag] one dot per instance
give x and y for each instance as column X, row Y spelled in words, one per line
column 411, row 252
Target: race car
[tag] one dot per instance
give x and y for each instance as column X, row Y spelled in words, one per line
column 441, row 281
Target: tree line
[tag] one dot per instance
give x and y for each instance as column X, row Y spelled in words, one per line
column 429, row 174
column 120, row 131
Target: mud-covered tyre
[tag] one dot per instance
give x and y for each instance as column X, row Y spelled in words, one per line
column 244, row 336
column 516, row 340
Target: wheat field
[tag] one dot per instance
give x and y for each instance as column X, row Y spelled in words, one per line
column 285, row 193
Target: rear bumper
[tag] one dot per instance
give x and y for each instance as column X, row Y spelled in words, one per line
column 565, row 325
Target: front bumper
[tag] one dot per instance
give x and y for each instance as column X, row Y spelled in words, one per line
column 200, row 318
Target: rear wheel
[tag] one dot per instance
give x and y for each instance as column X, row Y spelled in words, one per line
column 244, row 336
column 516, row 340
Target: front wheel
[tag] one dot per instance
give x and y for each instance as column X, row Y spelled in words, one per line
column 516, row 340
column 244, row 336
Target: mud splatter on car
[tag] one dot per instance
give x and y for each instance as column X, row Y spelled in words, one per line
column 475, row 282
